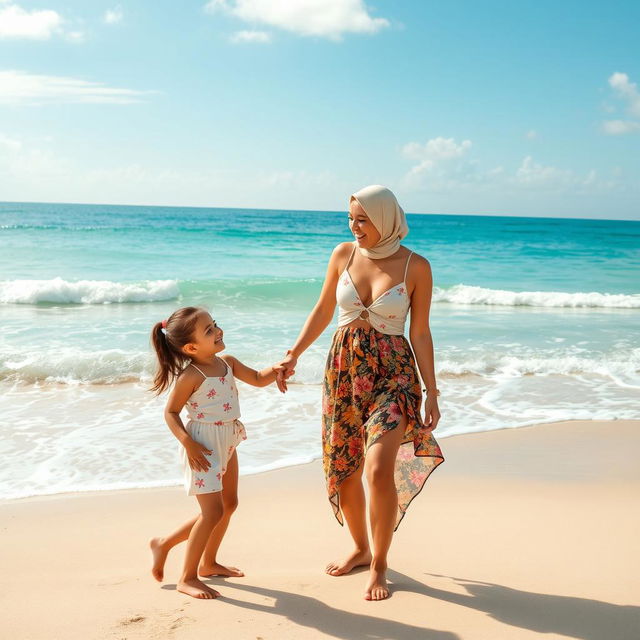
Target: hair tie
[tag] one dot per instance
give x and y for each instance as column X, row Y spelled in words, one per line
column 164, row 327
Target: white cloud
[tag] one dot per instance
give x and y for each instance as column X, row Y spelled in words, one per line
column 324, row 18
column 444, row 165
column 531, row 174
column 437, row 159
column 19, row 87
column 113, row 16
column 39, row 24
column 261, row 37
column 627, row 92
column 531, row 134
column 435, row 149
column 40, row 169
column 75, row 36
column 620, row 127
column 536, row 177
column 33, row 169
column 12, row 144
column 27, row 165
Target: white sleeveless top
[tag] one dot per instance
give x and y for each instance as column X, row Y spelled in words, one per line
column 387, row 313
column 215, row 400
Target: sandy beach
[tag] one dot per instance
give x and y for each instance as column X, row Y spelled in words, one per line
column 521, row 533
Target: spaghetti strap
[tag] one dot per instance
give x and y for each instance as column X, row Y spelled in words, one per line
column 346, row 268
column 406, row 269
column 199, row 370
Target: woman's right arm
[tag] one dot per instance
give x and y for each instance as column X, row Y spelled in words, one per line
column 322, row 313
column 185, row 385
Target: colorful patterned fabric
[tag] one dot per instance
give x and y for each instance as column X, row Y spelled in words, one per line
column 370, row 383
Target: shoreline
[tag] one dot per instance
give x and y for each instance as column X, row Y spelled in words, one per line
column 314, row 459
column 524, row 533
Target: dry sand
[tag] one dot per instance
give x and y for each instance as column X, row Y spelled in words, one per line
column 521, row 533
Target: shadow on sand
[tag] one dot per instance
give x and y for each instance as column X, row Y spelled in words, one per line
column 580, row 618
column 564, row 615
column 311, row 613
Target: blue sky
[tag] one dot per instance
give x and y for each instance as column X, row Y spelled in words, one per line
column 508, row 108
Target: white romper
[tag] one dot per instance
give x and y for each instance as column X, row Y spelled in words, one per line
column 214, row 412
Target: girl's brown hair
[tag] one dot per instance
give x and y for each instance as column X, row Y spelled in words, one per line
column 168, row 338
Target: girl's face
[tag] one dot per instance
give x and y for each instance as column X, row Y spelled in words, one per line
column 207, row 337
column 364, row 231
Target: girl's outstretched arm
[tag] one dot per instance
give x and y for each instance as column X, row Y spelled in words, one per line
column 185, row 385
column 251, row 376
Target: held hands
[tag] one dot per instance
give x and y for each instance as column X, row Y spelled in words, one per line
column 285, row 369
column 196, row 454
column 431, row 411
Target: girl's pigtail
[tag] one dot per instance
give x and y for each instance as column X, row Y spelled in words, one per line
column 168, row 363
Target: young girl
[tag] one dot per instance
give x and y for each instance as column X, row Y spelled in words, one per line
column 187, row 345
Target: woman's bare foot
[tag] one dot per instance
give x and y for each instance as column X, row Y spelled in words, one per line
column 377, row 588
column 217, row 569
column 159, row 557
column 196, row 589
column 358, row 558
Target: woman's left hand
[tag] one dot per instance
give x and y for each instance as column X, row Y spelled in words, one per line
column 286, row 368
column 431, row 412
column 282, row 375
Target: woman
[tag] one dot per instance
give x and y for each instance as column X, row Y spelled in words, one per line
column 371, row 392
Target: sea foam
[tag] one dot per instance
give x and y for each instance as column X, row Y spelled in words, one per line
column 74, row 365
column 282, row 291
column 465, row 294
column 62, row 291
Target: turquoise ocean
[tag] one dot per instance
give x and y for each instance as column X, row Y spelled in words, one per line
column 534, row 320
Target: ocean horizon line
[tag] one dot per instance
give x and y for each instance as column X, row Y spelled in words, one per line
column 329, row 211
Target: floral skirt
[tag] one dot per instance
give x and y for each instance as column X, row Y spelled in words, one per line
column 370, row 382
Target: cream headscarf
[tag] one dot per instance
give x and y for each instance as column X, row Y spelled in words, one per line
column 387, row 216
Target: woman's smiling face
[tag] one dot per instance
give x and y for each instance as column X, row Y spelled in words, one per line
column 364, row 231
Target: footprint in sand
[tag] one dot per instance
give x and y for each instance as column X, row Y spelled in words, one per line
column 132, row 620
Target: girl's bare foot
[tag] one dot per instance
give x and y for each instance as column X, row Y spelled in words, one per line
column 217, row 569
column 358, row 558
column 197, row 589
column 159, row 557
column 377, row 588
